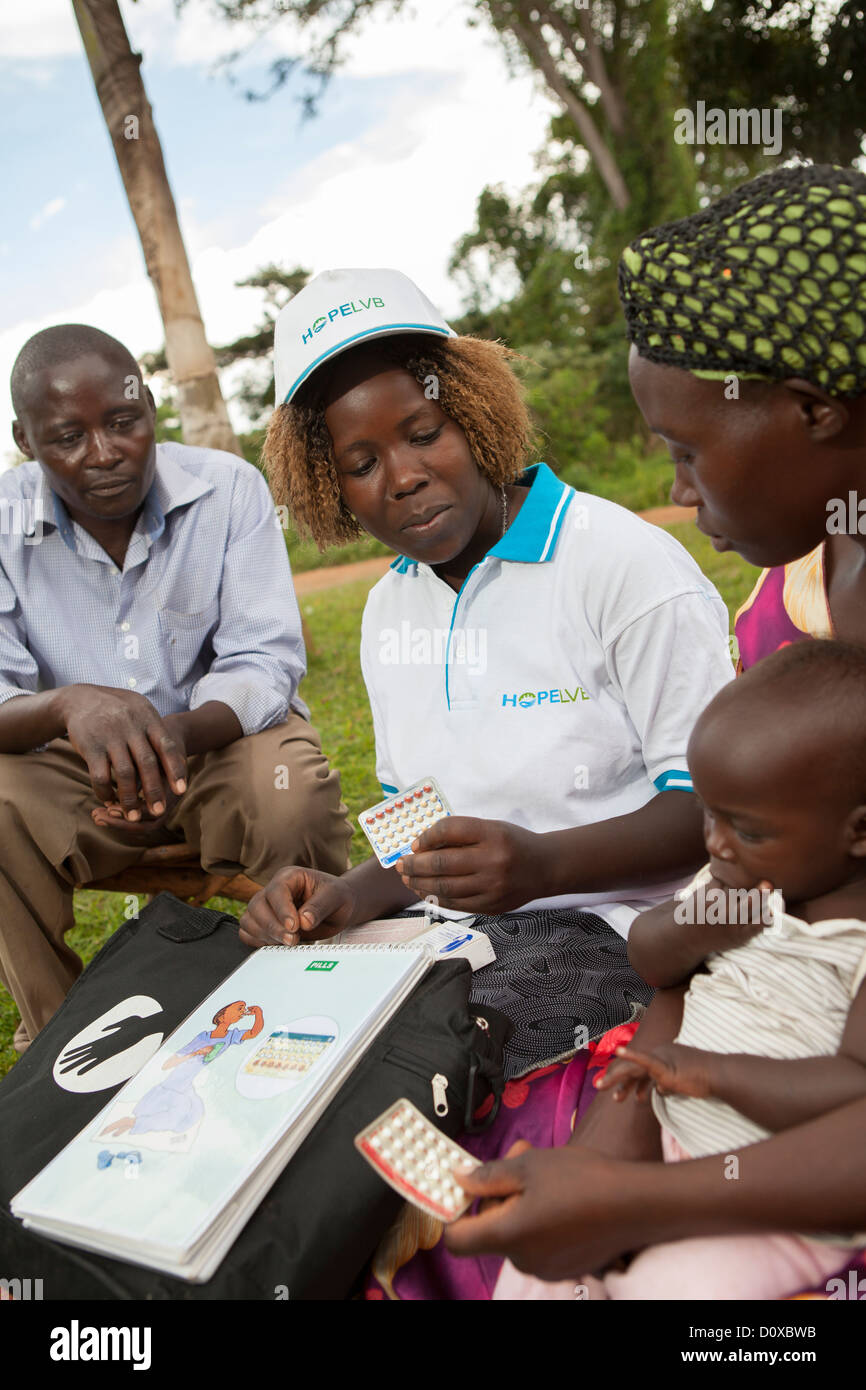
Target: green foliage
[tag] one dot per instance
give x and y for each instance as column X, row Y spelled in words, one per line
column 804, row 57
column 167, row 427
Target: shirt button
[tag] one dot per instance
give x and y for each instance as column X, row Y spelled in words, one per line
column 124, row 627
column 131, row 681
column 115, row 570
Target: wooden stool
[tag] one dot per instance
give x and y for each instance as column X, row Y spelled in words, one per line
column 175, row 869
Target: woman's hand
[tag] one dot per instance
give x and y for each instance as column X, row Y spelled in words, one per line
column 297, row 905
column 555, row 1212
column 473, row 865
column 670, row 1067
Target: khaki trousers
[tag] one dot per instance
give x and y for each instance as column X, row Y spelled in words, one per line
column 261, row 802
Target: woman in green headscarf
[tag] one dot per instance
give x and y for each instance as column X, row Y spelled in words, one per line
column 748, row 331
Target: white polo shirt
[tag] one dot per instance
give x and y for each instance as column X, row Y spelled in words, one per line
column 559, row 687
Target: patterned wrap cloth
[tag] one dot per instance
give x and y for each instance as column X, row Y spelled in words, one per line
column 788, row 604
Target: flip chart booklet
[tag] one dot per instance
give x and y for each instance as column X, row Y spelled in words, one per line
column 170, row 1171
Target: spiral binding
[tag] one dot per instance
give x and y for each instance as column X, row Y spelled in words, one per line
column 351, row 947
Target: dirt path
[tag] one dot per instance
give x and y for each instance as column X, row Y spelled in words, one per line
column 311, row 581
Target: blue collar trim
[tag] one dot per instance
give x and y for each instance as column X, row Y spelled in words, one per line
column 533, row 535
column 402, row 564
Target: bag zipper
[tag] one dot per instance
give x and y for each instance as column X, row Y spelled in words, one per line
column 440, row 1100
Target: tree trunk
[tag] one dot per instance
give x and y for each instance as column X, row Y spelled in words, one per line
column 116, row 76
column 535, row 46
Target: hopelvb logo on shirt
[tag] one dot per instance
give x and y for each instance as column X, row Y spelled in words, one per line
column 341, row 311
column 537, row 699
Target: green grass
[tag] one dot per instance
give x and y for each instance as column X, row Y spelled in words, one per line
column 305, row 555
column 334, row 690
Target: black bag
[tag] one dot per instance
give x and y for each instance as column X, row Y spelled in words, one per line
column 319, row 1224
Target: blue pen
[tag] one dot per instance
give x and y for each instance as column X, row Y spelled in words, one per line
column 452, row 946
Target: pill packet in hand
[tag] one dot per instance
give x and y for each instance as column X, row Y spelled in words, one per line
column 417, row 1160
column 391, row 825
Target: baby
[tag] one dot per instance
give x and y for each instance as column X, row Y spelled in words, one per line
column 773, row 1028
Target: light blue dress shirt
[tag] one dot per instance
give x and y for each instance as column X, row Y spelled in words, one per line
column 203, row 609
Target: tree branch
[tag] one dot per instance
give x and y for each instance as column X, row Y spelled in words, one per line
column 606, row 164
column 590, row 60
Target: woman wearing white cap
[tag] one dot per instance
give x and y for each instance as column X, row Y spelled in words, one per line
column 542, row 653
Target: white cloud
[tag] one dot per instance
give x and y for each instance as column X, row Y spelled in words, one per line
column 39, row 29
column 50, row 209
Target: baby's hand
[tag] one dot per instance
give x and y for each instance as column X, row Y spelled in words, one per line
column 670, row 1068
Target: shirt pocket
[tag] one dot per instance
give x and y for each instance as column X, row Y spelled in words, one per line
column 184, row 635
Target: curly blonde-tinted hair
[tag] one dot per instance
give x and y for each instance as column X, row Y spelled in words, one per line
column 476, row 388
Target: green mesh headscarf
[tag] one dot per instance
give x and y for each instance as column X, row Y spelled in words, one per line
column 769, row 282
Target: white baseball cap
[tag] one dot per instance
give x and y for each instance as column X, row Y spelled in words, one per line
column 341, row 308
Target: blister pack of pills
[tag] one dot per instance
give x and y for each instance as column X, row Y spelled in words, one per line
column 288, row 1054
column 417, row 1160
column 391, row 825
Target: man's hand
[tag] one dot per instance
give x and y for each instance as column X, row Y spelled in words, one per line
column 138, row 830
column 670, row 1067
column 554, row 1212
column 474, row 865
column 126, row 745
column 297, row 905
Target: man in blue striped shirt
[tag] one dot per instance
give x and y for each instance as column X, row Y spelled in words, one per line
column 150, row 654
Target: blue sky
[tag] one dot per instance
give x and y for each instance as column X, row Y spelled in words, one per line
column 221, row 151
column 423, row 115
